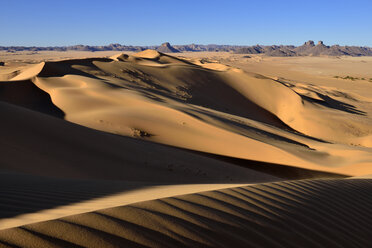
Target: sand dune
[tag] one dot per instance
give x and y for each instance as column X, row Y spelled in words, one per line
column 153, row 150
column 43, row 145
column 28, row 199
column 309, row 213
column 192, row 105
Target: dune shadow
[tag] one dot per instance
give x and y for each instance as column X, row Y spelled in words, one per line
column 327, row 101
column 334, row 104
column 258, row 133
column 26, row 94
column 23, row 193
column 64, row 67
column 278, row 170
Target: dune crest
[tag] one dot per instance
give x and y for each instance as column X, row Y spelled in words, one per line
column 304, row 213
column 148, row 54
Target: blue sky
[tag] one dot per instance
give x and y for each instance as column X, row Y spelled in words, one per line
column 146, row 22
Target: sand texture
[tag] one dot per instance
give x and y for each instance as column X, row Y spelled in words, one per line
column 304, row 213
column 185, row 150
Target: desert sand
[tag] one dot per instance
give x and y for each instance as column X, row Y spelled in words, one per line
column 185, row 150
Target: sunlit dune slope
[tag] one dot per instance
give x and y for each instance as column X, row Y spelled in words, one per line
column 40, row 144
column 207, row 107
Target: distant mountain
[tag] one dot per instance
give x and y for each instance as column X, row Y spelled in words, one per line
column 278, row 51
column 307, row 49
column 307, row 46
column 111, row 47
column 167, row 48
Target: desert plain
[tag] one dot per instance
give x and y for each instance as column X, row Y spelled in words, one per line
column 192, row 149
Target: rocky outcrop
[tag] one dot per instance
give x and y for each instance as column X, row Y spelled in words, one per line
column 167, row 48
column 308, row 49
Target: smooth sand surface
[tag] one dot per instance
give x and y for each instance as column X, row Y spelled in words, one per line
column 186, row 150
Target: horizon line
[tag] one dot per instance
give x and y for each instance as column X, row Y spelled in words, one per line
column 209, row 44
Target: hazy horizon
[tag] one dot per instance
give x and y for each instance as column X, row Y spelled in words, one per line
column 210, row 44
column 148, row 23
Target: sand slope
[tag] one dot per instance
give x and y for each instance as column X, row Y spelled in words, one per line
column 43, row 145
column 308, row 213
column 51, row 168
column 28, row 199
column 207, row 107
